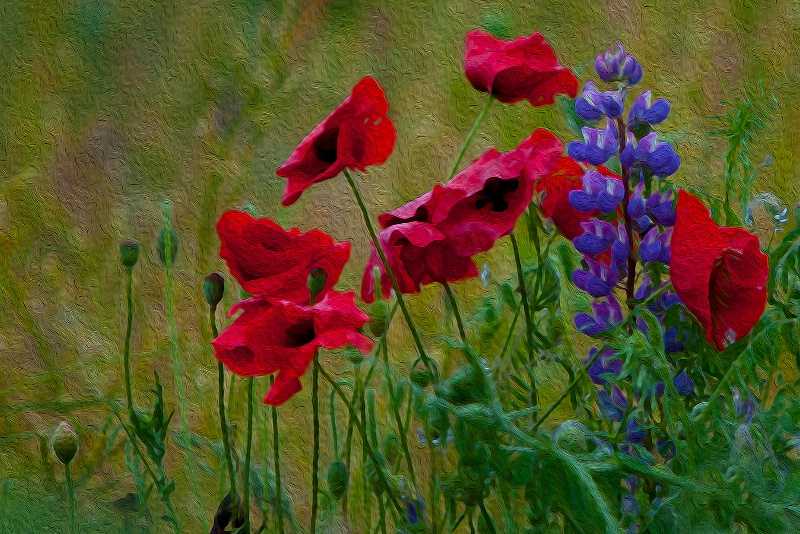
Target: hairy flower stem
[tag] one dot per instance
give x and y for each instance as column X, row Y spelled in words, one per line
column 127, row 354
column 528, row 320
column 434, row 486
column 426, row 360
column 631, row 281
column 361, row 430
column 177, row 368
column 223, row 423
column 315, row 459
column 362, row 407
column 277, row 461
column 454, row 305
column 73, row 524
column 248, row 450
column 470, row 135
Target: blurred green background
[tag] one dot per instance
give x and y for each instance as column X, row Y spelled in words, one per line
column 108, row 107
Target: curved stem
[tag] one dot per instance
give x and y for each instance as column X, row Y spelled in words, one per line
column 454, row 304
column 397, row 419
column 429, row 363
column 528, row 321
column 127, row 354
column 487, row 518
column 315, row 460
column 177, row 368
column 73, row 525
column 277, row 461
column 223, row 423
column 470, row 135
column 248, row 450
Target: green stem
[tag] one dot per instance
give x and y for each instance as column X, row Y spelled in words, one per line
column 315, row 461
column 459, row 520
column 454, row 304
column 277, row 461
column 73, row 525
column 426, row 360
column 178, row 371
column 528, row 321
column 487, row 518
column 470, row 135
column 248, row 450
column 127, row 356
column 434, row 487
column 362, row 406
column 360, row 427
column 222, row 420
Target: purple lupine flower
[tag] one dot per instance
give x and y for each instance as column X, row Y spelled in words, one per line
column 614, row 65
column 673, row 343
column 606, row 363
column 599, row 144
column 596, row 238
column 661, row 207
column 635, row 432
column 414, row 509
column 599, row 193
column 666, row 448
column 655, row 246
column 599, row 280
column 683, row 383
column 594, row 104
column 645, row 288
column 644, row 111
column 746, row 408
column 620, row 249
column 660, row 157
column 605, row 316
column 612, row 406
column 629, row 506
column 637, row 208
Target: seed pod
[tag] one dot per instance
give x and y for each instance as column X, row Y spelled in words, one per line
column 65, row 442
column 129, row 253
column 338, row 479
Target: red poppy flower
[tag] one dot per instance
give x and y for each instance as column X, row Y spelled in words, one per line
column 418, row 254
column 357, row 134
column 267, row 260
column 281, row 336
column 720, row 274
column 556, row 186
column 525, row 67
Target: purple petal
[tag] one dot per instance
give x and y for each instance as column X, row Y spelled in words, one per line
column 683, row 384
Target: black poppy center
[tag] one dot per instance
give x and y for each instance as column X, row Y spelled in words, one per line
column 494, row 192
column 300, row 333
column 325, row 146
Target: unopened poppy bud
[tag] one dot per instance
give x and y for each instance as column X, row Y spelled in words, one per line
column 338, row 479
column 391, row 448
column 316, row 282
column 65, row 442
column 161, row 245
column 378, row 318
column 421, row 377
column 214, row 289
column 129, row 253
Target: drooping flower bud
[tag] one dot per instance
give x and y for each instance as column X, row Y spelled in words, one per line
column 614, row 65
column 379, row 315
column 214, row 289
column 316, row 282
column 65, row 442
column 129, row 253
column 338, row 479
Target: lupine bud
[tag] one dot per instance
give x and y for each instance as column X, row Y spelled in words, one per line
column 65, row 442
column 316, row 282
column 599, row 280
column 214, row 289
column 594, row 104
column 613, row 406
column 659, row 157
column 338, row 479
column 614, row 65
column 597, row 237
column 598, row 146
column 620, row 249
column 661, row 207
column 607, row 363
column 129, row 252
column 635, row 432
column 644, row 112
column 655, row 246
column 606, row 315
column 673, row 343
column 162, row 244
column 683, row 383
column 599, row 193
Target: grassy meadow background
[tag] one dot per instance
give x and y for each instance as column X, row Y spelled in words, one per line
column 109, row 107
